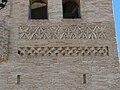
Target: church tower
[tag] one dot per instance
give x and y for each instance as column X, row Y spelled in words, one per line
column 58, row 45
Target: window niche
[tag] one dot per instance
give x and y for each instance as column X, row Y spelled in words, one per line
column 71, row 9
column 38, row 9
column 84, row 79
column 18, row 79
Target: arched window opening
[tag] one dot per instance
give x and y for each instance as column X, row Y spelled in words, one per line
column 38, row 9
column 71, row 8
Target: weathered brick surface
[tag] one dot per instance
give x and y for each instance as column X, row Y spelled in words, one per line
column 54, row 54
column 4, row 34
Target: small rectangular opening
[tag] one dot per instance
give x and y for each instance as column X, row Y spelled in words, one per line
column 19, row 52
column 84, row 78
column 18, row 79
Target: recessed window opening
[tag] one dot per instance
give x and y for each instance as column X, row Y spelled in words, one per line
column 84, row 78
column 18, row 79
column 38, row 9
column 71, row 9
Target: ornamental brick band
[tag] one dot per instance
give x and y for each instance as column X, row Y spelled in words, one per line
column 64, row 51
column 62, row 32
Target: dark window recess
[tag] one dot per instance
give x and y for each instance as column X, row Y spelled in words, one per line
column 84, row 78
column 71, row 10
column 19, row 52
column 18, row 79
column 38, row 10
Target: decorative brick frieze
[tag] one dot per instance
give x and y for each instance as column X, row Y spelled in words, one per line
column 62, row 32
column 64, row 51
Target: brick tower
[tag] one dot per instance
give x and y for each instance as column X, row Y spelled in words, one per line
column 58, row 45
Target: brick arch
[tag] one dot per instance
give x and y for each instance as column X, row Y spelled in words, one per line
column 75, row 1
column 42, row 1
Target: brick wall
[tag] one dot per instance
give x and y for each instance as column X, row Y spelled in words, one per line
column 54, row 54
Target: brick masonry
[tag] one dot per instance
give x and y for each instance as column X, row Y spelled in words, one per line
column 55, row 54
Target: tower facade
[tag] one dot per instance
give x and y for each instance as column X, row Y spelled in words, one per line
column 58, row 45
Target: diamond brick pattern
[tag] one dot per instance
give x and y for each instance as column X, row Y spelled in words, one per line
column 64, row 51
